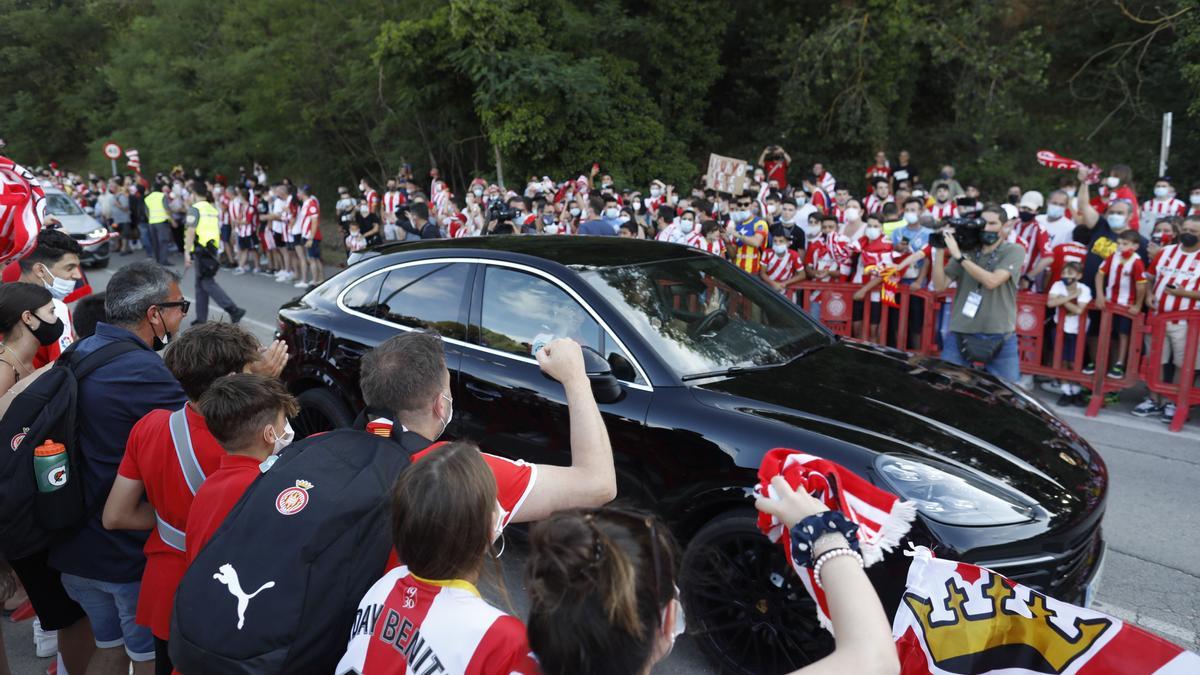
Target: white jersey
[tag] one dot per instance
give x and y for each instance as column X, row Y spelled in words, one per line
column 1061, row 231
column 942, row 211
column 411, row 626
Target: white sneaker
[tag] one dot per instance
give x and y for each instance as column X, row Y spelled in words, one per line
column 288, row 275
column 1052, row 386
column 300, row 284
column 239, row 271
column 45, row 643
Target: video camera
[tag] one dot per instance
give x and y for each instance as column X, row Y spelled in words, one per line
column 501, row 212
column 966, row 232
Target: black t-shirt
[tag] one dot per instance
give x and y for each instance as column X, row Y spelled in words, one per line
column 365, row 224
column 796, row 235
column 1103, row 244
column 430, row 231
column 905, row 173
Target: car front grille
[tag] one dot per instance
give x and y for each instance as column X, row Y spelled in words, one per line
column 1064, row 575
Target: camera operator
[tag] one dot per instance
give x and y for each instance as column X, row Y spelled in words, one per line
column 418, row 222
column 984, row 314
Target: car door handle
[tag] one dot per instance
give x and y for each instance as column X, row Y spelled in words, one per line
column 482, row 393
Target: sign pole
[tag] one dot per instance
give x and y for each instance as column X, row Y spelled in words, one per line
column 1165, row 148
column 114, row 168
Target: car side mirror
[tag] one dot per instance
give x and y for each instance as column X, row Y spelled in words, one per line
column 605, row 386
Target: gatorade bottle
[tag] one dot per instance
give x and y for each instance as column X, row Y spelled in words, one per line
column 50, row 465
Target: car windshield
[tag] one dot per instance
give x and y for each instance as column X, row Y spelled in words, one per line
column 61, row 205
column 704, row 315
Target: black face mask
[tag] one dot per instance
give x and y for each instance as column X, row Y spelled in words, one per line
column 989, row 238
column 1069, row 282
column 1026, row 216
column 47, row 333
column 1013, row 199
column 1188, row 240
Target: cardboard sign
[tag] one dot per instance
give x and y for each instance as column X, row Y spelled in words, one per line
column 726, row 174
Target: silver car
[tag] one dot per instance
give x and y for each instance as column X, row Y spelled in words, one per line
column 85, row 229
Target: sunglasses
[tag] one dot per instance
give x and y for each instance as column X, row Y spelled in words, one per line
column 637, row 520
column 183, row 305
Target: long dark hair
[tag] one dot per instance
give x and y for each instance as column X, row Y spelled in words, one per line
column 16, row 299
column 599, row 580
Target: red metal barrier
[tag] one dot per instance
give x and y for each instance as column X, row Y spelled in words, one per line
column 1183, row 391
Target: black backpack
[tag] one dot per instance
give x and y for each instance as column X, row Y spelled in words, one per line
column 45, row 413
column 277, row 587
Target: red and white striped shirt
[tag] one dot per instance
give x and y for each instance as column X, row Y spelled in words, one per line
column 307, row 220
column 458, row 227
column 1155, row 210
column 392, row 200
column 406, row 625
column 875, row 204
column 1035, row 240
column 1072, row 251
column 840, row 214
column 1121, row 276
column 238, row 210
column 826, row 254
column 371, row 197
column 223, row 208
column 821, row 201
column 252, row 209
column 716, row 248
column 780, row 268
column 942, row 211
column 1175, row 267
column 871, row 253
column 874, row 172
column 827, row 182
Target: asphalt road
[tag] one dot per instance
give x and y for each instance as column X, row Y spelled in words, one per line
column 1151, row 575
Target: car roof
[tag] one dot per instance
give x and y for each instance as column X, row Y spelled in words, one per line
column 587, row 251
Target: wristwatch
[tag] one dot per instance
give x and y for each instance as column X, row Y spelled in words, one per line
column 958, row 258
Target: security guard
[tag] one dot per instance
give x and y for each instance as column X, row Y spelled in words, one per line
column 158, row 219
column 200, row 242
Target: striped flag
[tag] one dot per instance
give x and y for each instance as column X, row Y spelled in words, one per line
column 134, row 162
column 22, row 209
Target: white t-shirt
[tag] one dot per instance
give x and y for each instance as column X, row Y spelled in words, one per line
column 1061, row 231
column 1071, row 323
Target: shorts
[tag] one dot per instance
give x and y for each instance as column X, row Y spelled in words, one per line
column 294, row 242
column 279, row 240
column 1175, row 344
column 55, row 609
column 314, row 251
column 111, row 607
column 876, row 311
column 226, row 232
column 246, row 243
column 1121, row 325
column 1068, row 350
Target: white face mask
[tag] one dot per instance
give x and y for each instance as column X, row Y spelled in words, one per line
column 1112, row 182
column 801, row 200
column 874, row 233
column 772, row 209
column 679, row 627
column 853, row 215
column 1194, row 199
column 637, row 205
column 364, row 209
column 739, row 216
column 780, row 249
column 449, row 414
column 687, row 225
column 654, row 192
column 1162, row 192
column 575, row 211
column 1116, row 220
column 910, row 217
column 478, row 192
column 1055, row 211
column 612, row 213
column 285, row 440
column 550, row 229
column 59, row 288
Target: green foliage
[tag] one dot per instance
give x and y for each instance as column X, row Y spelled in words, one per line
column 326, row 92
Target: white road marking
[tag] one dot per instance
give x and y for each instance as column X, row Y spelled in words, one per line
column 1179, row 634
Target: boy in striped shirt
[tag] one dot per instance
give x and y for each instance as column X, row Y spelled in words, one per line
column 781, row 266
column 1121, row 280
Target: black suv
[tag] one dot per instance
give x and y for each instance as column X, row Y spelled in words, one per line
column 714, row 369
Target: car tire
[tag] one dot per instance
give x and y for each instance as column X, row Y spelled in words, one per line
column 320, row 410
column 747, row 611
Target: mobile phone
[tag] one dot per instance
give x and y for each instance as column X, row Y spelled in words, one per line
column 1171, row 286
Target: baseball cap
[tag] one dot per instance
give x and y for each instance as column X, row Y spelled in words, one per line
column 1032, row 200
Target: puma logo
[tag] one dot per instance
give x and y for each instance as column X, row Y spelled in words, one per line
column 229, row 576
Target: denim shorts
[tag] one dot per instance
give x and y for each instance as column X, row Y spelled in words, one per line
column 111, row 608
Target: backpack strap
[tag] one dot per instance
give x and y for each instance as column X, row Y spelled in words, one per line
column 82, row 366
column 193, row 475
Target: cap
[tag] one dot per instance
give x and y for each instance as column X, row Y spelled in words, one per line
column 1010, row 211
column 1033, row 200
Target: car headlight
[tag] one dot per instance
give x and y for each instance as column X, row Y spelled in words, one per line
column 942, row 493
column 97, row 233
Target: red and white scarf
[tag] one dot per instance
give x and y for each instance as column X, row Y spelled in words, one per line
column 22, row 210
column 882, row 519
column 1057, row 161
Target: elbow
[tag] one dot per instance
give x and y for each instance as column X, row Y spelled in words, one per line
column 603, row 492
column 110, row 521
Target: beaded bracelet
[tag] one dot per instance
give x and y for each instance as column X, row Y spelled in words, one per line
column 830, row 555
column 805, row 533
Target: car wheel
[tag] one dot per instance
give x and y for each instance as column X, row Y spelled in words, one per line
column 320, row 410
column 746, row 608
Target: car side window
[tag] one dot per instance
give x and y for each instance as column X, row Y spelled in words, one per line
column 364, row 296
column 425, row 297
column 520, row 308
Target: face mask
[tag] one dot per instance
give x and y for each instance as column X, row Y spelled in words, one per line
column 1026, row 216
column 801, row 201
column 575, row 211
column 285, row 440
column 1188, row 240
column 679, row 627
column 1070, row 192
column 1013, row 199
column 1126, row 255
column 1069, row 281
column 780, row 249
column 160, row 343
column 478, row 192
column 547, row 220
column 654, row 192
column 47, row 333
column 1194, row 199
column 772, row 209
column 686, row 225
column 550, row 228
column 738, row 216
column 1162, row 192
column 449, row 414
column 606, row 186
column 910, row 217
column 59, row 288
column 941, row 198
column 637, row 205
column 611, row 213
column 1054, row 211
column 853, row 215
column 1112, row 182
column 365, row 210
column 989, row 238
column 874, row 233
column 1116, row 221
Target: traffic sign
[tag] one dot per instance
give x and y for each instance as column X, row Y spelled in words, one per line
column 112, row 150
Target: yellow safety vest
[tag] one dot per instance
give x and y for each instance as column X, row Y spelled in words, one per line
column 155, row 211
column 208, row 227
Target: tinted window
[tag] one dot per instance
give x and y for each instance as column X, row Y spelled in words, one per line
column 61, row 205
column 364, row 297
column 426, row 297
column 519, row 307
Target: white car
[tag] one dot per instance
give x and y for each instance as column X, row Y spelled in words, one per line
column 83, row 228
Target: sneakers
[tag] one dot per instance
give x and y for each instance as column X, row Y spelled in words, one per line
column 1089, row 368
column 1112, row 398
column 284, row 276
column 239, row 271
column 45, row 642
column 1147, row 408
column 1117, row 372
column 236, row 314
column 1065, row 400
column 1051, row 386
column 300, row 284
column 1168, row 412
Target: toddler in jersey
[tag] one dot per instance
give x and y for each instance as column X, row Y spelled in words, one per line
column 1073, row 297
column 1121, row 281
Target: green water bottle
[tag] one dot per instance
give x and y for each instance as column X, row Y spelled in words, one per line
column 50, row 465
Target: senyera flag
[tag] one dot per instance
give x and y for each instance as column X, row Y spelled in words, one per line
column 22, row 209
column 1057, row 161
column 956, row 618
column 960, row 619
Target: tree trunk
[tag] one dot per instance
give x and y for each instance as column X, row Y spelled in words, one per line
column 499, row 166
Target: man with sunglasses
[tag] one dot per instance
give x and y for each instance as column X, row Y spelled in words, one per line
column 102, row 569
column 747, row 235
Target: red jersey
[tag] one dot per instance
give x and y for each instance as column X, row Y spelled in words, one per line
column 821, row 200
column 942, row 211
column 828, row 253
column 1174, row 266
column 928, row 253
column 371, row 197
column 780, row 268
column 1121, row 277
column 1035, row 240
column 238, row 210
column 874, row 172
column 776, row 170
column 871, row 253
column 223, row 208
column 875, row 204
column 216, row 498
column 150, row 458
column 1072, row 251
column 716, row 248
column 458, row 227
column 252, row 209
column 406, row 625
column 391, row 201
column 1156, row 210
column 309, row 218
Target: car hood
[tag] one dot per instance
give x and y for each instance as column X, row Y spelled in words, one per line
column 890, row 401
column 78, row 224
